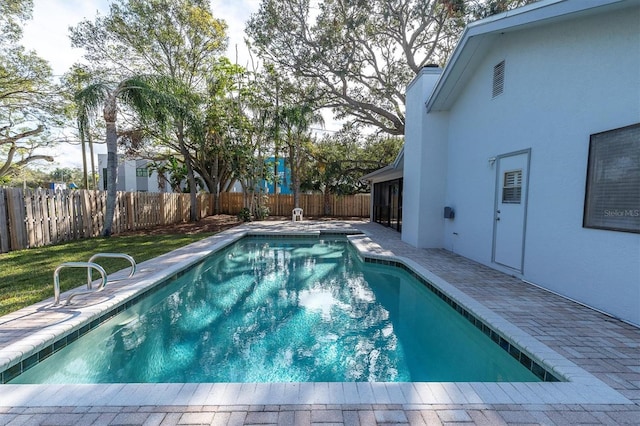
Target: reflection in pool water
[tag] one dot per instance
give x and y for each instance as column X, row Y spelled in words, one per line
column 284, row 311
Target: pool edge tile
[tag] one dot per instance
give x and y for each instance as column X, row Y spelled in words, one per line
column 582, row 388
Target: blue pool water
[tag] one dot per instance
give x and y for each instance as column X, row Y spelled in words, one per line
column 284, row 310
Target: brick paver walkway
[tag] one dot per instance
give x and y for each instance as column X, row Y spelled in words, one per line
column 605, row 347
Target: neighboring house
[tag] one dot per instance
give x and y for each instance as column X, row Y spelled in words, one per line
column 528, row 142
column 284, row 177
column 133, row 175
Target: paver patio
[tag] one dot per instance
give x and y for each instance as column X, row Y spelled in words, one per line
column 607, row 349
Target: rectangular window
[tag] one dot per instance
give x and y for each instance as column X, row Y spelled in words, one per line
column 142, row 172
column 512, row 187
column 498, row 79
column 612, row 199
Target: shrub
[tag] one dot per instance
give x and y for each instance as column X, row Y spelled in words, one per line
column 244, row 215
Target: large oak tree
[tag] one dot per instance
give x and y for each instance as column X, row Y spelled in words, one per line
column 28, row 101
column 361, row 54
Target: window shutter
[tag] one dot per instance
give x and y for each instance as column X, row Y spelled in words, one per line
column 512, row 187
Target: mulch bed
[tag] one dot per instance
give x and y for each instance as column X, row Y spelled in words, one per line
column 215, row 223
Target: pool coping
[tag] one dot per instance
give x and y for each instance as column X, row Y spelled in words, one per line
column 581, row 387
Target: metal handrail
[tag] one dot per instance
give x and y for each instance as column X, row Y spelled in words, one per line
column 111, row 255
column 88, row 265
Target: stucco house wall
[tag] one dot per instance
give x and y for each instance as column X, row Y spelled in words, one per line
column 563, row 82
column 424, row 165
column 127, row 176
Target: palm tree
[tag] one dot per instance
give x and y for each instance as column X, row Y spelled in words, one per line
column 134, row 92
column 296, row 122
column 176, row 104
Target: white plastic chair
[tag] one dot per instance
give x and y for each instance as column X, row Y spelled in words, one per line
column 297, row 214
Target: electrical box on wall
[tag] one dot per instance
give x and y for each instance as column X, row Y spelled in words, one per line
column 449, row 213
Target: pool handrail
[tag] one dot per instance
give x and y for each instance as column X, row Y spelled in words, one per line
column 89, row 266
column 110, row 255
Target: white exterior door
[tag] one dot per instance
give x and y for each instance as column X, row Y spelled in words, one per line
column 510, row 216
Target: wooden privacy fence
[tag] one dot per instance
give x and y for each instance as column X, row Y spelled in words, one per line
column 312, row 204
column 34, row 218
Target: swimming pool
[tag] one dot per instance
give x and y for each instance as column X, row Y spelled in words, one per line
column 303, row 310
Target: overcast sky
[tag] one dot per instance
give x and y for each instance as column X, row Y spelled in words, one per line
column 48, row 34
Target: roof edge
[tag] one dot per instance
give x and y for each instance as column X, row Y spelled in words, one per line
column 397, row 164
column 522, row 16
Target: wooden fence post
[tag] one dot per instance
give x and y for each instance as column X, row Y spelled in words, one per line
column 51, row 212
column 131, row 212
column 46, row 216
column 162, row 199
column 186, row 207
column 224, row 202
column 101, row 200
column 95, row 212
column 87, row 225
column 61, row 216
column 17, row 225
column 29, row 217
column 4, row 223
column 118, row 215
column 77, row 207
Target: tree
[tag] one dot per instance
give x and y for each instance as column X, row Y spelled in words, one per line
column 479, row 9
column 258, row 137
column 362, row 54
column 216, row 138
column 178, row 39
column 171, row 171
column 296, row 120
column 66, row 175
column 27, row 96
column 73, row 81
column 237, row 125
column 341, row 159
column 12, row 15
column 138, row 94
column 27, row 178
column 14, row 144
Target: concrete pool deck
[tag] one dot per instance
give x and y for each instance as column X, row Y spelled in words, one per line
column 599, row 355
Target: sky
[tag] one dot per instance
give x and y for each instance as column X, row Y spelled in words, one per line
column 48, row 34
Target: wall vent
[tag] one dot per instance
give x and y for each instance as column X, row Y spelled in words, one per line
column 498, row 79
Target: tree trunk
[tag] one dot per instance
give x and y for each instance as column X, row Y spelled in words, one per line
column 327, row 201
column 162, row 181
column 295, row 175
column 216, row 190
column 85, row 174
column 112, row 163
column 275, row 172
column 93, row 165
column 193, row 190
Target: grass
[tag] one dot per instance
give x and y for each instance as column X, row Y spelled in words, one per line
column 26, row 276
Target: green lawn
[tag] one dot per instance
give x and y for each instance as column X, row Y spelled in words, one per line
column 26, row 276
